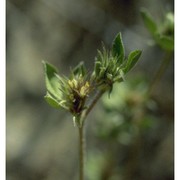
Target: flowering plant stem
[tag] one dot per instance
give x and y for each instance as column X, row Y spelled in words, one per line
column 72, row 93
column 81, row 152
column 82, row 140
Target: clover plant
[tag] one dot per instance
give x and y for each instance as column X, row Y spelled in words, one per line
column 79, row 92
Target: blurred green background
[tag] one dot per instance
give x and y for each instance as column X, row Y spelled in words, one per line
column 129, row 136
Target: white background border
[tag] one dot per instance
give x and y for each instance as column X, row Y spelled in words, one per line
column 177, row 90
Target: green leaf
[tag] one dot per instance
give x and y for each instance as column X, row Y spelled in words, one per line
column 51, row 80
column 148, row 21
column 118, row 48
column 132, row 60
column 51, row 101
column 165, row 42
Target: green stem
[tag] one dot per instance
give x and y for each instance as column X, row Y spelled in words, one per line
column 81, row 134
column 160, row 72
column 81, row 152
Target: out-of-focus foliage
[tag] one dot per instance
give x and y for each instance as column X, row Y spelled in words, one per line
column 162, row 32
column 129, row 126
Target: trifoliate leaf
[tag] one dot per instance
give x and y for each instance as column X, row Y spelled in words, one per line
column 118, row 48
column 148, row 21
column 132, row 60
column 52, row 81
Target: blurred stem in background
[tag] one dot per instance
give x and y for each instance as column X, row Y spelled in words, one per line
column 161, row 70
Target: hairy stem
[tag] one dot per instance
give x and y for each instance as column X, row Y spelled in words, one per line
column 81, row 152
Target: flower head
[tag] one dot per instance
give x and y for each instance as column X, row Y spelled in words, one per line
column 111, row 66
column 69, row 93
column 74, row 93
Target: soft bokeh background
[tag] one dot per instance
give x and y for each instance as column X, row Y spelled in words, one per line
column 128, row 137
